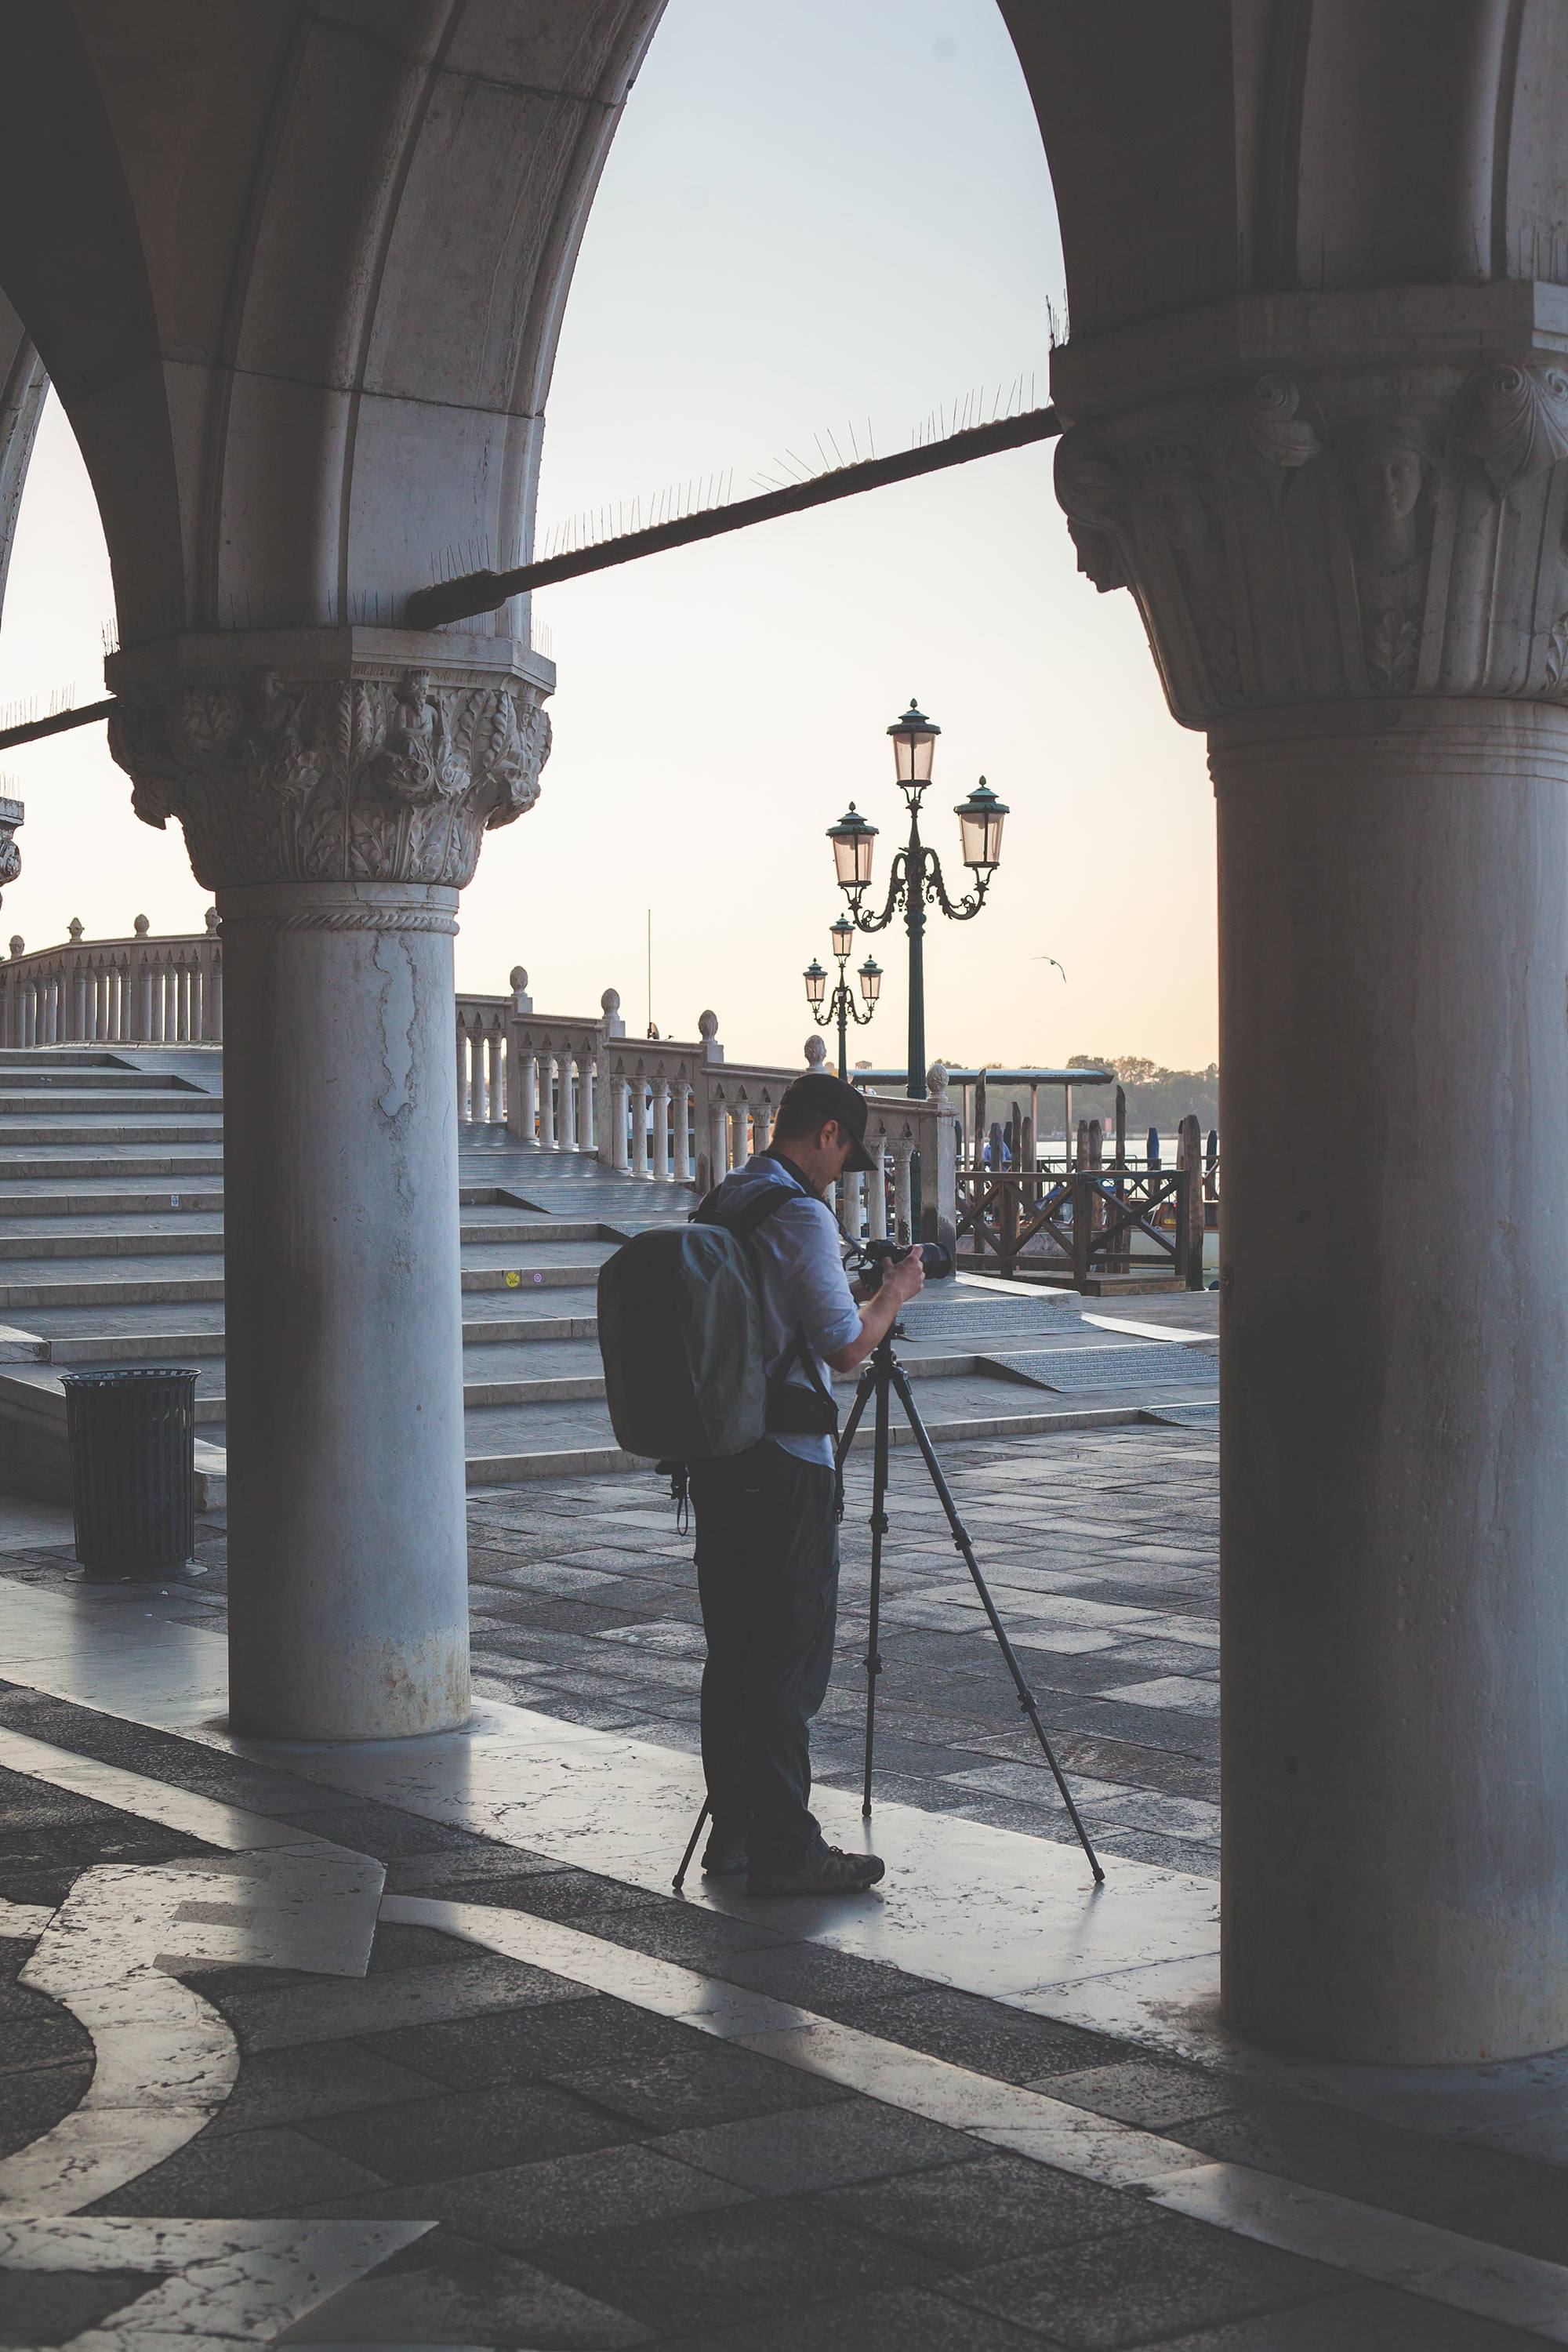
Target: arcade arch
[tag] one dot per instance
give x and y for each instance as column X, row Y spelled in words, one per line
column 297, row 271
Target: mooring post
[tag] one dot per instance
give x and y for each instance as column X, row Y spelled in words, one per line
column 1190, row 1209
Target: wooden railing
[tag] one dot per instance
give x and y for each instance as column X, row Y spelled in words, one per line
column 134, row 991
column 1128, row 1217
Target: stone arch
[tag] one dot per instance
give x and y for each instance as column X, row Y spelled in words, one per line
column 297, row 275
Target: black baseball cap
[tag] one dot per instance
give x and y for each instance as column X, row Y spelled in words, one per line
column 812, row 1100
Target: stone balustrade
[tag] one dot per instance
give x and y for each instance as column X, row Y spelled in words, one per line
column 673, row 1110
column 129, row 992
column 669, row 1109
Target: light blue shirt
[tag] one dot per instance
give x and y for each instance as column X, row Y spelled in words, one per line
column 803, row 1286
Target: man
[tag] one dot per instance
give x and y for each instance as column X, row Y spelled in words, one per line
column 767, row 1531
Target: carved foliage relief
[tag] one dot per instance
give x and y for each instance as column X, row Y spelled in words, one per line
column 358, row 779
column 1352, row 533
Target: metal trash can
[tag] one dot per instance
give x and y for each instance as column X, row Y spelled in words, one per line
column 133, row 1464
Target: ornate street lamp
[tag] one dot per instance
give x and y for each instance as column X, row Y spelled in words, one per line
column 841, row 1007
column 916, row 880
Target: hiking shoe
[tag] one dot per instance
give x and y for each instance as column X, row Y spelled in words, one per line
column 831, row 1872
column 724, row 1855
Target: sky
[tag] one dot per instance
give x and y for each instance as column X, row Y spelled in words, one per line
column 814, row 211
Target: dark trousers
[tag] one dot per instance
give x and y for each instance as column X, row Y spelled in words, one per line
column 767, row 1571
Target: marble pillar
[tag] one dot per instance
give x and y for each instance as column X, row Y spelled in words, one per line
column 336, row 816
column 1345, row 533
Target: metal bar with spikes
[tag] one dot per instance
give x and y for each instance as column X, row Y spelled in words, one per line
column 59, row 722
column 482, row 591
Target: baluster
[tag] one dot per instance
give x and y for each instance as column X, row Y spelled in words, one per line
column 876, row 1201
column 462, row 1070
column 79, row 1028
column 639, row 1127
column 686, row 1115
column 903, row 1189
column 738, row 1126
column 528, row 1075
column 495, row 1090
column 761, row 1125
column 216, row 1032
column 547, row 1101
column 193, row 980
column 144, row 1029
column 481, row 1067
column 661, row 1129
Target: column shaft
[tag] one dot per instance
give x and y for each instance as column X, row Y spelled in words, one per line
column 348, row 1613
column 1394, row 925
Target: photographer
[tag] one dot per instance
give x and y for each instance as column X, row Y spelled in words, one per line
column 767, row 1533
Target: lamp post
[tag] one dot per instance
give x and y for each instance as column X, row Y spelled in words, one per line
column 916, row 879
column 841, row 1006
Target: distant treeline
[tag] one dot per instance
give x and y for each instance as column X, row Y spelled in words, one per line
column 1155, row 1097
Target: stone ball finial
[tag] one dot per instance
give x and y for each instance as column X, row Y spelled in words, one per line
column 76, row 927
column 142, row 927
column 611, row 1000
column 210, row 919
column 18, row 943
column 815, row 1052
column 517, row 978
column 707, row 1024
column 936, row 1078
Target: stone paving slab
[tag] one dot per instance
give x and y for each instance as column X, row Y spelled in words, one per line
column 598, row 2175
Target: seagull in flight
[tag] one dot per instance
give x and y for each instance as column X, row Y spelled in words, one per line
column 1050, row 959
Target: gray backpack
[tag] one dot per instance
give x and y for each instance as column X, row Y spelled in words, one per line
column 681, row 1332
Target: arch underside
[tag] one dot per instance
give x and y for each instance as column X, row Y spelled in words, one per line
column 297, row 268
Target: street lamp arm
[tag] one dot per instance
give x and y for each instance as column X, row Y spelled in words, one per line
column 962, row 911
column 896, row 894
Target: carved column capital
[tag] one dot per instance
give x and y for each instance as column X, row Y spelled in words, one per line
column 1318, row 532
column 389, row 774
column 11, row 816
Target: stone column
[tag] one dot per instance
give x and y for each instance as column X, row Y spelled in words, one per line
column 1351, row 564
column 337, row 816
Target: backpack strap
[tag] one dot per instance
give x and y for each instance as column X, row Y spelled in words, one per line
column 753, row 1211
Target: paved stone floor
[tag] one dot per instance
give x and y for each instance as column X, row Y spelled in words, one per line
column 418, row 2046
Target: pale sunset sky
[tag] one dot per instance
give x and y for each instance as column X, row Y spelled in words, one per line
column 814, row 211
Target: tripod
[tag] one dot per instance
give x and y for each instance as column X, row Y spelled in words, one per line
column 882, row 1377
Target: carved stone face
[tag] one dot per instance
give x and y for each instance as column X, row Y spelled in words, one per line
column 1388, row 477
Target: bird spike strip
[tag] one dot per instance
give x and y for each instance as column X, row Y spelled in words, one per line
column 482, row 591
column 471, row 594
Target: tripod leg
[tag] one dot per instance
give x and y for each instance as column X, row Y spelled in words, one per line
column 867, row 1381
column 877, row 1379
column 960, row 1537
column 679, row 1881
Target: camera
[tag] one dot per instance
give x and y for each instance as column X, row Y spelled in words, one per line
column 874, row 1257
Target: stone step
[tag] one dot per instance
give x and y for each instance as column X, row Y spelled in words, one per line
column 192, row 1128
column 151, row 1221
column 67, row 1165
column 161, row 1096
column 69, row 1351
column 18, row 1078
column 167, row 1234
column 105, row 1197
column 154, row 1282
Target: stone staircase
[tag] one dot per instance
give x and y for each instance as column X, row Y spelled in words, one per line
column 111, row 1254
